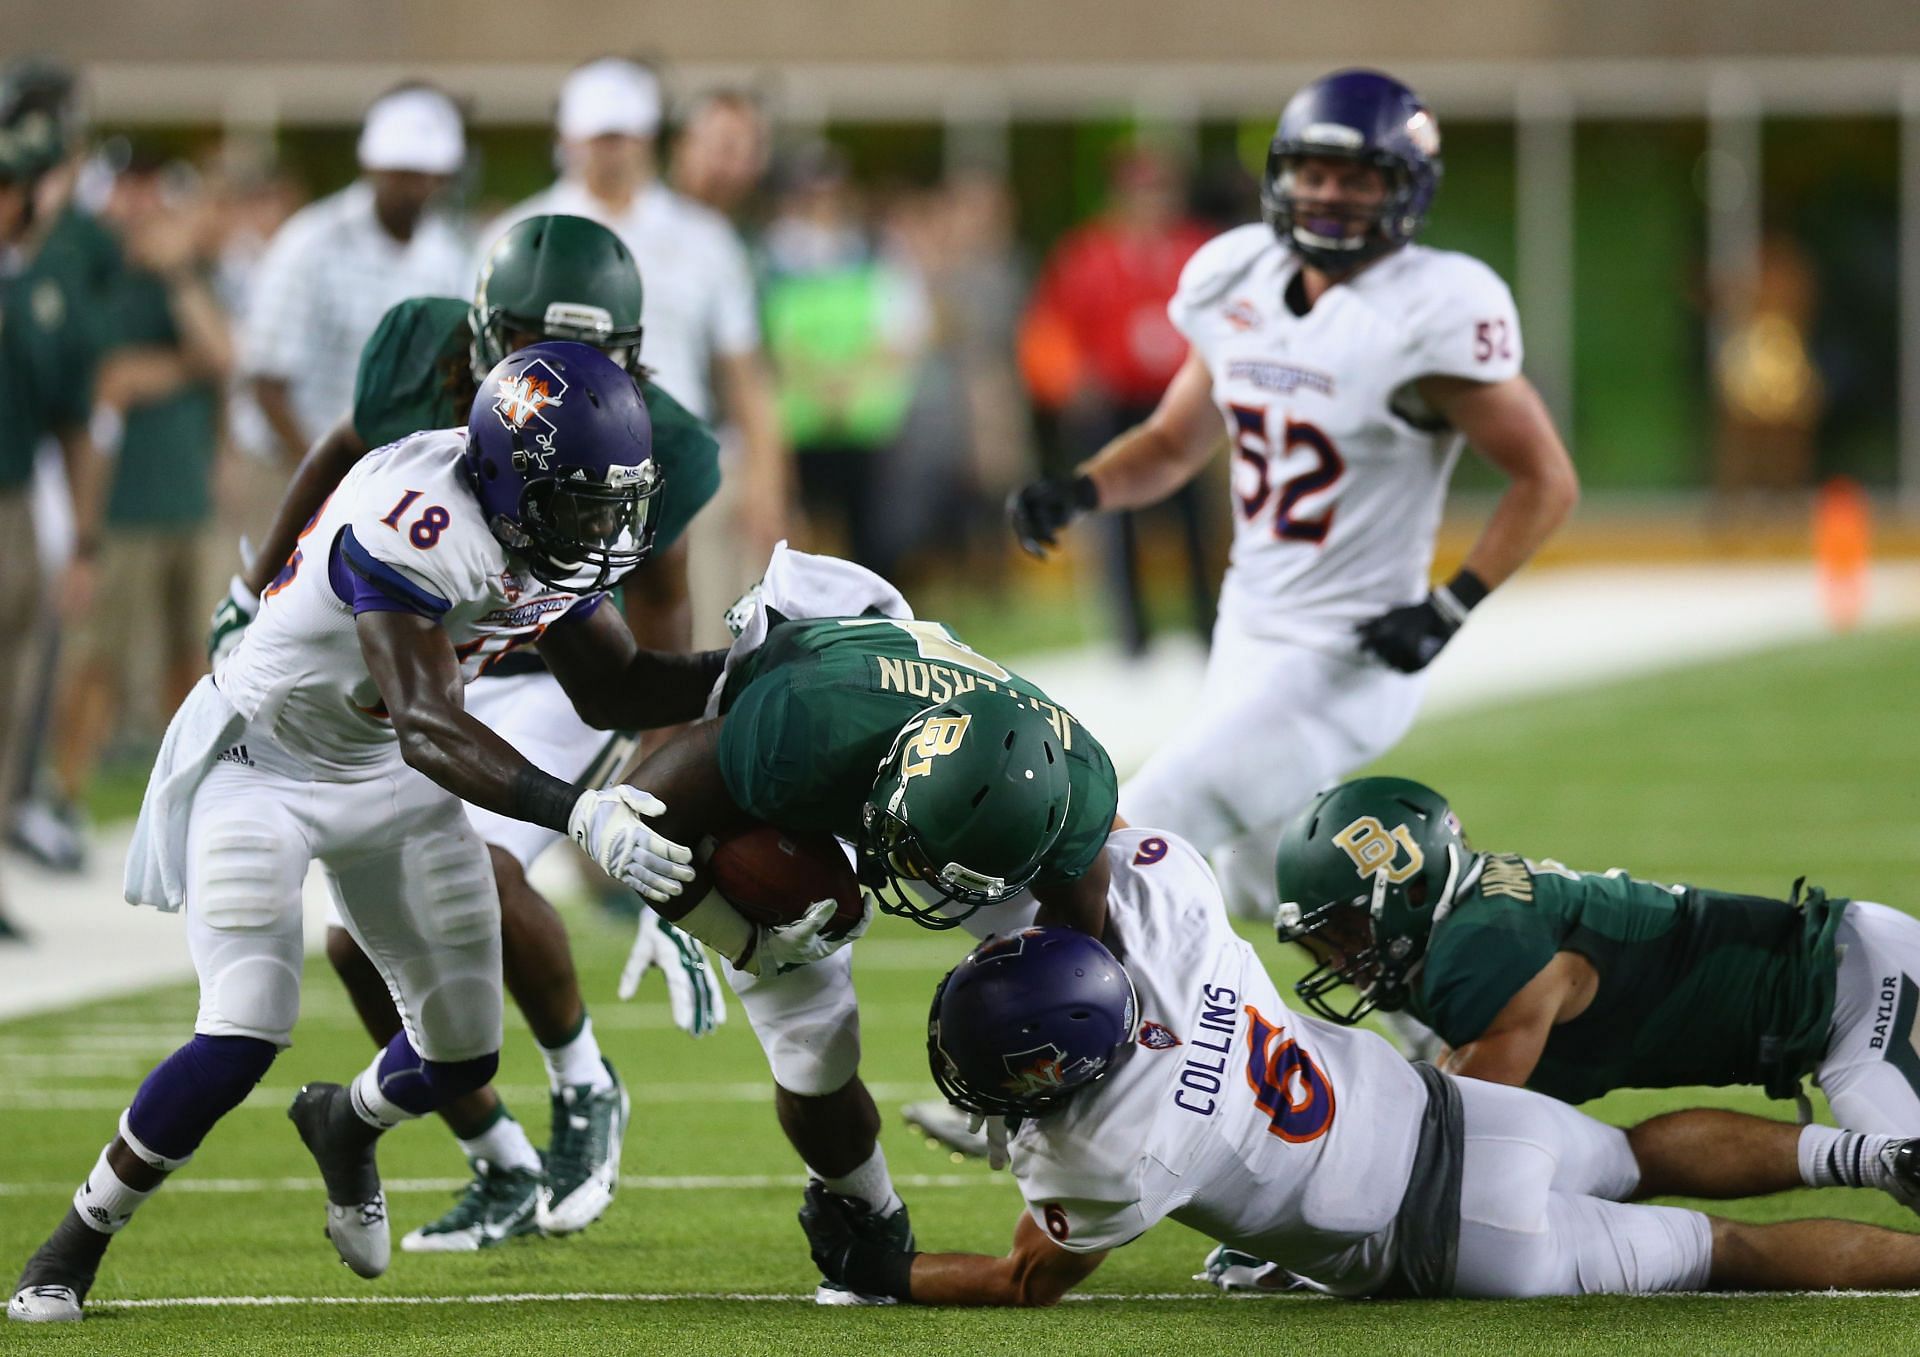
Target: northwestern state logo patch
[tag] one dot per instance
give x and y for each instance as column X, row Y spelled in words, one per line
column 1157, row 1038
column 520, row 405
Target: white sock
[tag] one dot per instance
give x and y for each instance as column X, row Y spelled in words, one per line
column 869, row 1183
column 1830, row 1157
column 504, row 1145
column 106, row 1203
column 371, row 1105
column 577, row 1061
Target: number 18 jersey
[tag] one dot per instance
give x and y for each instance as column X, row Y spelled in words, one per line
column 1339, row 470
column 403, row 532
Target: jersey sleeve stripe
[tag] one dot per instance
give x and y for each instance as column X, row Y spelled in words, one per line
column 378, row 587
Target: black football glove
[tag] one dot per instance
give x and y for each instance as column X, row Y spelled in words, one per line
column 843, row 1252
column 1407, row 638
column 1039, row 509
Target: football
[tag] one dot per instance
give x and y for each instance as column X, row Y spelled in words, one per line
column 772, row 875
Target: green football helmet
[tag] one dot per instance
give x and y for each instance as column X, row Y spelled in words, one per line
column 557, row 278
column 1366, row 871
column 967, row 804
column 37, row 118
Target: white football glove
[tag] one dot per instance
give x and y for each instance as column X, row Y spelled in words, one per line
column 783, row 947
column 995, row 1130
column 1232, row 1270
column 693, row 990
column 611, row 826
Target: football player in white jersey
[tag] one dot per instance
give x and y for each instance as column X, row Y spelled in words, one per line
column 336, row 731
column 1160, row 1075
column 1350, row 365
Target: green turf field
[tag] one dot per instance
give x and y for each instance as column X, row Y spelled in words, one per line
column 1744, row 774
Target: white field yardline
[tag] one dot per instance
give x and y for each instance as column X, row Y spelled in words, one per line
column 1198, row 1294
column 637, row 1182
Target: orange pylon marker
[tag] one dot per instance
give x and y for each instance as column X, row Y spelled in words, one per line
column 1842, row 549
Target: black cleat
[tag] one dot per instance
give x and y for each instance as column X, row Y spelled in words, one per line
column 53, row 1286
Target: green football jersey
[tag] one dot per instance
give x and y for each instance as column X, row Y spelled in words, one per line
column 813, row 712
column 414, row 375
column 1695, row 987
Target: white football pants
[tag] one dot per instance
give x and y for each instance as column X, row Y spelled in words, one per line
column 1871, row 1072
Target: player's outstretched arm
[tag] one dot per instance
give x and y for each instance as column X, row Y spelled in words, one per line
column 411, row 661
column 1036, row 1272
column 616, row 685
column 1142, row 466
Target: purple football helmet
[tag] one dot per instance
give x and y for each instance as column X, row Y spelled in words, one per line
column 1366, row 117
column 1027, row 1019
column 560, row 449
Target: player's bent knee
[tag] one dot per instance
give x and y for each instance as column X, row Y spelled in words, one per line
column 255, row 998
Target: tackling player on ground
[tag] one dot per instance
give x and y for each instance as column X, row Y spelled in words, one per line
column 1350, row 366
column 552, row 277
column 1161, row 1077
column 970, row 798
column 1577, row 983
column 335, row 731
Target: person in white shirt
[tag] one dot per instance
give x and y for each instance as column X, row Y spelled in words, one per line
column 1157, row 1074
column 702, row 340
column 338, row 264
column 1349, row 365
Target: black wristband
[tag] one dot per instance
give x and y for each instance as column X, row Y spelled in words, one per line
column 1085, row 494
column 874, row 1271
column 1468, row 590
column 541, row 799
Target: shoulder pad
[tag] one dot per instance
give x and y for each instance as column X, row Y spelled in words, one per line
column 1223, row 261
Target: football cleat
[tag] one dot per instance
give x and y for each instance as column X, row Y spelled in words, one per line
column 342, row 1146
column 53, row 1285
column 947, row 1128
column 583, row 1155
column 1902, row 1161
column 498, row 1205
column 1231, row 1270
column 894, row 1233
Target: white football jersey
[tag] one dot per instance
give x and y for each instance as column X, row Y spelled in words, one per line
column 1287, row 1137
column 406, row 524
column 1339, row 471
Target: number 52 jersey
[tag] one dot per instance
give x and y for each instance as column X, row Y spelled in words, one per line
column 1339, row 469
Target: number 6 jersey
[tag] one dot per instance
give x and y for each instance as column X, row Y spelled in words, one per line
column 1339, row 469
column 403, row 532
column 1286, row 1137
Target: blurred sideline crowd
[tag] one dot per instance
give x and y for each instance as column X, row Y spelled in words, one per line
column 883, row 364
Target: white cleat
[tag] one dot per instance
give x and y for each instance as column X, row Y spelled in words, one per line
column 45, row 1305
column 360, row 1235
column 583, row 1156
column 947, row 1128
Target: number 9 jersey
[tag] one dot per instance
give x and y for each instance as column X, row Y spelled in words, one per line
column 1339, row 469
column 403, row 532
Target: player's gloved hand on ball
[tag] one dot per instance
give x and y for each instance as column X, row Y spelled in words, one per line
column 610, row 824
column 1408, row 637
column 236, row 610
column 1039, row 509
column 784, row 947
column 843, row 1251
column 693, row 990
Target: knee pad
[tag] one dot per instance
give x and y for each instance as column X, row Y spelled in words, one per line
column 179, row 1102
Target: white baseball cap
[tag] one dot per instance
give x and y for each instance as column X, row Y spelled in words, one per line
column 611, row 95
column 416, row 129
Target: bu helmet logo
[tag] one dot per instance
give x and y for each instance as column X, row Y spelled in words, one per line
column 939, row 736
column 1373, row 848
column 522, row 398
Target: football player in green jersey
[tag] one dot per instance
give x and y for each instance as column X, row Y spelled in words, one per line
column 1576, row 983
column 552, row 277
column 970, row 798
